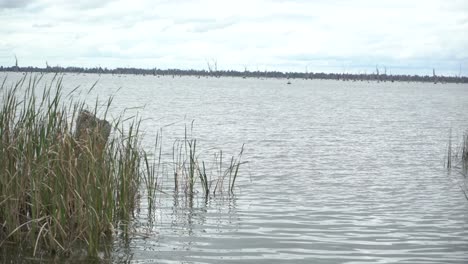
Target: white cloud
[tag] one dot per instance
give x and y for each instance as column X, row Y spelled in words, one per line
column 281, row 35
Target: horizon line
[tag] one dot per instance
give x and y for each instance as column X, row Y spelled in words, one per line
column 236, row 73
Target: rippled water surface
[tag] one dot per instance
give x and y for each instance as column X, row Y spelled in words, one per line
column 338, row 172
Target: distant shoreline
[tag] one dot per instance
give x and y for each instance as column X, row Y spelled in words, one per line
column 245, row 74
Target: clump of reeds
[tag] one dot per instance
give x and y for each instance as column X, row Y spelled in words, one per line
column 60, row 188
column 449, row 152
column 464, row 151
column 213, row 178
column 68, row 178
column 458, row 160
column 458, row 154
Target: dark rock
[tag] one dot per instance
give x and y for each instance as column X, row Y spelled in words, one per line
column 89, row 127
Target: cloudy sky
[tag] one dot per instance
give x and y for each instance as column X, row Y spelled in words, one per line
column 319, row 36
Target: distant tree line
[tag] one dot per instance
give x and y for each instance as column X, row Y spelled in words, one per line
column 245, row 74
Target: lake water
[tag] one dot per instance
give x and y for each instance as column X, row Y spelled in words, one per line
column 338, row 172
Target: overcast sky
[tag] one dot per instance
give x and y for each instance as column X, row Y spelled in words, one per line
column 320, row 36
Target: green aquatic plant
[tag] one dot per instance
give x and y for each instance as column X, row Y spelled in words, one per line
column 458, row 160
column 71, row 180
column 189, row 167
column 449, row 151
column 59, row 188
column 464, row 152
column 457, row 156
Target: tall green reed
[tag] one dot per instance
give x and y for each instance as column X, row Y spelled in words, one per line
column 458, row 160
column 457, row 156
column 189, row 167
column 61, row 189
column 58, row 190
column 464, row 152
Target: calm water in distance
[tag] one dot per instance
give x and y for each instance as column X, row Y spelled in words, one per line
column 338, row 172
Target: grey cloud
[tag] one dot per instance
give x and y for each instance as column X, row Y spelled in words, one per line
column 454, row 5
column 46, row 25
column 280, row 17
column 202, row 25
column 304, row 57
column 292, row 32
column 38, row 6
column 128, row 21
column 102, row 53
column 14, row 3
column 420, row 65
column 202, row 28
column 84, row 4
column 463, row 21
column 192, row 20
